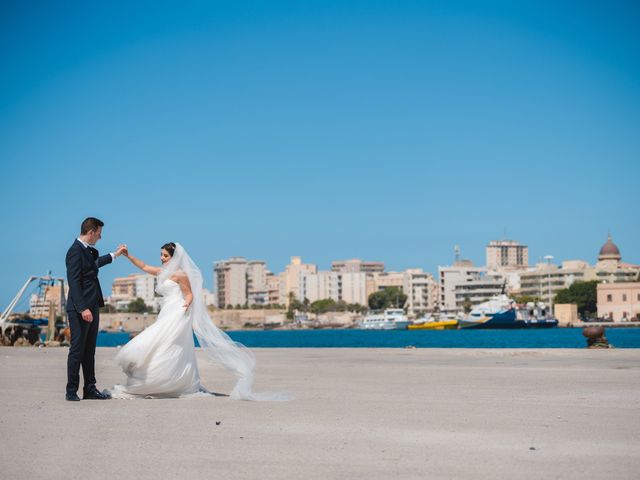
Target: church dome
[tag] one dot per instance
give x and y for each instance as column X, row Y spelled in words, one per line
column 609, row 251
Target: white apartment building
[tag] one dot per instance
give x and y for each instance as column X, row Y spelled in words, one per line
column 352, row 287
column 421, row 289
column 347, row 287
column 479, row 290
column 318, row 286
column 460, row 272
column 146, row 290
column 257, row 276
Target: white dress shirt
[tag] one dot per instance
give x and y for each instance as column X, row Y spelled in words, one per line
column 86, row 245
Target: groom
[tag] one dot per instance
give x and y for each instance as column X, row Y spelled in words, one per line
column 83, row 304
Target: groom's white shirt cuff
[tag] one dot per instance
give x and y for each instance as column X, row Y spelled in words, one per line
column 86, row 245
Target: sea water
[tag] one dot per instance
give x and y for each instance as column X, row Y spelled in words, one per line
column 526, row 338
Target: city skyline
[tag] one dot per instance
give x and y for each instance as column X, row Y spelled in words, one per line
column 240, row 281
column 387, row 131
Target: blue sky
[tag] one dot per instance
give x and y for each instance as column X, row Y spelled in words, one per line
column 386, row 131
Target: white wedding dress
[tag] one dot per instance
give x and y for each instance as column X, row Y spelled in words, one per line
column 161, row 360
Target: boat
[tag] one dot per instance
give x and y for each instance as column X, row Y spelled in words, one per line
column 501, row 312
column 435, row 325
column 390, row 319
column 497, row 312
column 444, row 321
column 536, row 315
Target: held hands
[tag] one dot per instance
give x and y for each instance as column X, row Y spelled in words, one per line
column 122, row 250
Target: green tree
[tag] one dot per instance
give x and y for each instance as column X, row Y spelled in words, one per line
column 356, row 307
column 322, row 306
column 390, row 297
column 138, row 306
column 294, row 305
column 583, row 294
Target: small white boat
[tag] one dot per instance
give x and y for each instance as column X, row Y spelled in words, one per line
column 390, row 319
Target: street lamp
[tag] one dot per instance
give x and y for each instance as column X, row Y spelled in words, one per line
column 548, row 258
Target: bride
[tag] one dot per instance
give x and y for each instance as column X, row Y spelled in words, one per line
column 161, row 360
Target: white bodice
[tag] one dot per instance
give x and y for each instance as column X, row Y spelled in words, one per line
column 169, row 289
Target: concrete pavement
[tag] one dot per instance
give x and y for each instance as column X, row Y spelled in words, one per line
column 358, row 413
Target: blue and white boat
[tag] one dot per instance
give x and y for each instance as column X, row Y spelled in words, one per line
column 501, row 312
column 498, row 312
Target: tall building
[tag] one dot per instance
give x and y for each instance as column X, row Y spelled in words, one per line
column 256, row 276
column 352, row 287
column 462, row 271
column 357, row 266
column 290, row 279
column 273, row 289
column 318, row 286
column 240, row 282
column 146, row 289
column 507, row 255
column 422, row 291
column 348, row 287
column 477, row 291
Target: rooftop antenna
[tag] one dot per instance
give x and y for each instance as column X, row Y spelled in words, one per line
column 456, row 252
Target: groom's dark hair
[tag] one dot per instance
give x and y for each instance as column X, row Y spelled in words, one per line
column 89, row 224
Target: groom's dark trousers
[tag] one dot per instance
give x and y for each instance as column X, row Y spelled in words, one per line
column 84, row 293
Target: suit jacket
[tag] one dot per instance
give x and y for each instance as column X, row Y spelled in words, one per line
column 82, row 277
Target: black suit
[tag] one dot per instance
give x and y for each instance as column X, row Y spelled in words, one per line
column 84, row 293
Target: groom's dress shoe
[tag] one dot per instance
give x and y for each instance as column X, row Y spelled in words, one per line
column 95, row 394
column 72, row 397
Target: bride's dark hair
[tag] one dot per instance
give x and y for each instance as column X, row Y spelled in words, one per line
column 169, row 247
